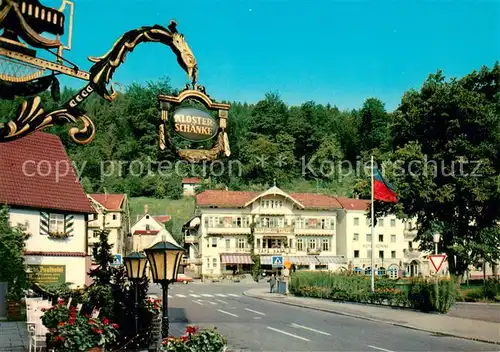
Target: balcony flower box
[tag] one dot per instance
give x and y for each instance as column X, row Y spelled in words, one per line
column 58, row 235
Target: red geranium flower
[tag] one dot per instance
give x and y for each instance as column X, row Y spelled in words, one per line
column 105, row 321
column 115, row 326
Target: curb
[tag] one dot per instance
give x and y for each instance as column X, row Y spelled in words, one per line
column 477, row 304
column 369, row 318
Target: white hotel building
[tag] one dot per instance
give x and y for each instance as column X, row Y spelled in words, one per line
column 313, row 231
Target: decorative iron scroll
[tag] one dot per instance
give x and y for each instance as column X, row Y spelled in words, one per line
column 194, row 155
column 31, row 116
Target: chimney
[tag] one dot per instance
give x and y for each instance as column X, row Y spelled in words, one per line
column 145, row 208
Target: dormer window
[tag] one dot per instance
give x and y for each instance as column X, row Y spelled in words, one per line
column 147, row 227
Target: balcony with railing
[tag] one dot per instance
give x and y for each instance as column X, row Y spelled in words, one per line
column 274, row 230
column 411, row 254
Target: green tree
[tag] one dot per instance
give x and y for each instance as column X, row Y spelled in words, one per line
column 446, row 142
column 374, row 125
column 12, row 244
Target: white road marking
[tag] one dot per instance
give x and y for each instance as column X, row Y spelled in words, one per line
column 287, row 333
column 198, row 303
column 232, row 295
column 379, row 348
column 191, row 291
column 221, row 301
column 257, row 317
column 212, row 303
column 254, row 311
column 179, row 295
column 220, row 295
column 310, row 329
column 193, row 295
column 206, row 295
column 169, row 296
column 223, row 311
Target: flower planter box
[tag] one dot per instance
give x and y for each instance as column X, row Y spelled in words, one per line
column 96, row 349
column 14, row 310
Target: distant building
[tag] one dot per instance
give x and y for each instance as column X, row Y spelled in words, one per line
column 147, row 231
column 313, row 231
column 189, row 185
column 113, row 215
column 39, row 184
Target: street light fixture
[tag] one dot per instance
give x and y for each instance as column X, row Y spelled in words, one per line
column 436, row 238
column 164, row 260
column 135, row 263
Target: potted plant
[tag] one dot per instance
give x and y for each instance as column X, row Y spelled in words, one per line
column 70, row 331
column 197, row 340
column 14, row 296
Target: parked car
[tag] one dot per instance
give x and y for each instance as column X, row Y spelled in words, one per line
column 184, row 279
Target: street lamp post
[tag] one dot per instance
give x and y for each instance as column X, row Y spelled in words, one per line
column 164, row 259
column 436, row 237
column 135, row 263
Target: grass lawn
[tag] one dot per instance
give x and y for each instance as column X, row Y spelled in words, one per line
column 180, row 210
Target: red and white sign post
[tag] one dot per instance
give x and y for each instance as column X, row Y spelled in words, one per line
column 437, row 261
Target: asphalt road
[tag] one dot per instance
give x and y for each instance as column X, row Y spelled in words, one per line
column 255, row 325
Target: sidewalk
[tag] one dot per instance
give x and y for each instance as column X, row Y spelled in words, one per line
column 13, row 336
column 433, row 323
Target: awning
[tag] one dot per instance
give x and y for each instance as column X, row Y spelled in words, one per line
column 236, row 259
column 303, row 260
column 331, row 259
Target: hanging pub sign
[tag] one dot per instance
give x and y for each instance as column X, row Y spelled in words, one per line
column 194, row 124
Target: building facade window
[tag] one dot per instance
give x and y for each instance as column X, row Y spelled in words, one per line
column 393, row 238
column 228, row 243
column 214, row 262
column 368, row 221
column 241, row 243
column 410, row 245
column 300, row 223
column 381, row 254
column 381, row 238
column 56, row 223
column 368, row 237
column 393, row 254
column 355, row 237
column 381, row 222
column 356, row 253
column 147, row 227
column 214, row 241
column 300, row 244
column 393, row 222
column 325, row 244
column 114, row 216
column 208, row 262
column 356, row 221
column 311, row 243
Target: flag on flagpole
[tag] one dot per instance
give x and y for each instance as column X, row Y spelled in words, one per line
column 383, row 190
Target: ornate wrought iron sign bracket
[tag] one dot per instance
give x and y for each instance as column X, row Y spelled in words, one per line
column 23, row 74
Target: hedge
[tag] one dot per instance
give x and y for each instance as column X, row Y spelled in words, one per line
column 420, row 293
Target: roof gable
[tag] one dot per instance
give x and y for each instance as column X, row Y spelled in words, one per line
column 36, row 172
column 273, row 191
column 110, row 202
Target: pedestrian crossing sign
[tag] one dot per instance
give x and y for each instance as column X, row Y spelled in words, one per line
column 277, row 261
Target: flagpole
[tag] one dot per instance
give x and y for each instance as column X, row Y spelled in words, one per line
column 373, row 236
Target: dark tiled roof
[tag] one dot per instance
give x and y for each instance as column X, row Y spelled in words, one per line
column 36, row 172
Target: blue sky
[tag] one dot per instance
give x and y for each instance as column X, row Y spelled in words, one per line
column 337, row 52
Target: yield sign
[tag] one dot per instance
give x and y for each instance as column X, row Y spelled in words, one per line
column 437, row 260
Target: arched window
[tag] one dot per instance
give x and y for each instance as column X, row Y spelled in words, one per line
column 381, row 271
column 368, row 271
column 393, row 272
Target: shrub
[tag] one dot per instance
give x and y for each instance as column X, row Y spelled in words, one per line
column 419, row 294
column 207, row 340
column 491, row 288
column 427, row 296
